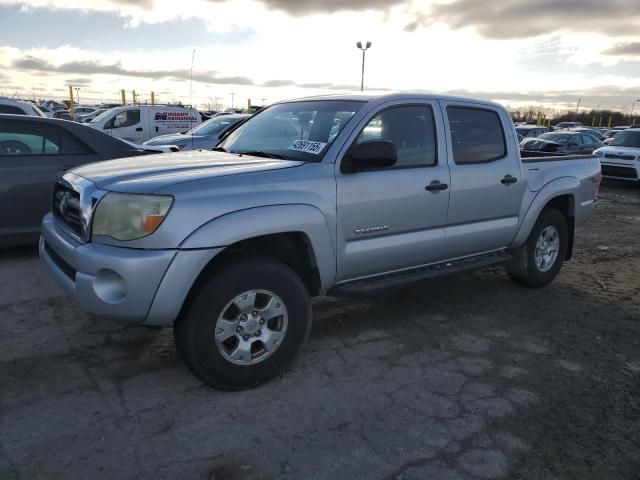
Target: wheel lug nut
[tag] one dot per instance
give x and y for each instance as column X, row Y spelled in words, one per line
column 254, row 313
column 245, row 337
column 262, row 321
column 258, row 333
column 243, row 317
column 239, row 329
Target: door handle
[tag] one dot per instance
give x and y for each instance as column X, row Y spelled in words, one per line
column 436, row 186
column 139, row 129
column 508, row 180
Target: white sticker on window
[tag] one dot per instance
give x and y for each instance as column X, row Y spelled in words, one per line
column 307, row 146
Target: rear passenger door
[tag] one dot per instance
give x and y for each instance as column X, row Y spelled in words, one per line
column 387, row 219
column 32, row 154
column 487, row 185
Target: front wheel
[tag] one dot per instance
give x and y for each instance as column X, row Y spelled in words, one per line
column 245, row 324
column 538, row 262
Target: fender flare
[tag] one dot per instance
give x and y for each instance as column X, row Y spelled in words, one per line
column 555, row 188
column 254, row 222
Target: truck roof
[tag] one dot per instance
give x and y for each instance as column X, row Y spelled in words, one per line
column 395, row 96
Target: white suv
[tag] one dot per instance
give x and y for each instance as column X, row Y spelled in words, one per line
column 18, row 107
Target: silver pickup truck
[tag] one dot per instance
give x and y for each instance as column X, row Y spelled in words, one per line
column 337, row 195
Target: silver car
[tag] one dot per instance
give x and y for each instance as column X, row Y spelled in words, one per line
column 335, row 194
column 204, row 137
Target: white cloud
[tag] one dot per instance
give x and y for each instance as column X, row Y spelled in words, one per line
column 291, row 50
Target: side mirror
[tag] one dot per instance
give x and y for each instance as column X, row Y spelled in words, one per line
column 370, row 155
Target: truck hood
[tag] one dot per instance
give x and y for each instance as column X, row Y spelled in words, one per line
column 619, row 151
column 150, row 173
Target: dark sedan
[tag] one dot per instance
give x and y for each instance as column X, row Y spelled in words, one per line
column 565, row 142
column 33, row 151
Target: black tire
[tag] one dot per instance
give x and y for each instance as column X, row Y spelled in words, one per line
column 194, row 330
column 523, row 269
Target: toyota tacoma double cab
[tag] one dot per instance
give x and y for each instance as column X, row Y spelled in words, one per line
column 323, row 195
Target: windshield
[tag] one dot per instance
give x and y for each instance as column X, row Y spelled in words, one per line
column 627, row 139
column 215, row 125
column 294, row 131
column 561, row 138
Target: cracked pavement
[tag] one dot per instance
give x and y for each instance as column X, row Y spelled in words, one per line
column 467, row 377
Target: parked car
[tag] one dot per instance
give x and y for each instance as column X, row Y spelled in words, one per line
column 139, row 123
column 564, row 142
column 410, row 186
column 203, row 137
column 90, row 116
column 48, row 112
column 62, row 115
column 621, row 158
column 19, row 107
column 107, row 106
column 54, row 106
column 82, row 110
column 590, row 131
column 33, row 151
column 565, row 125
column 531, row 131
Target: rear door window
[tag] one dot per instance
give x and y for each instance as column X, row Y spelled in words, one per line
column 27, row 139
column 11, row 110
column 477, row 135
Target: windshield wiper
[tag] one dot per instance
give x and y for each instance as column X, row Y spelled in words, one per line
column 218, row 149
column 260, row 153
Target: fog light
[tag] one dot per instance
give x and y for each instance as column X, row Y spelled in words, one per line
column 109, row 286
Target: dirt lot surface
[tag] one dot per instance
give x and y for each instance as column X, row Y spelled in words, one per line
column 469, row 377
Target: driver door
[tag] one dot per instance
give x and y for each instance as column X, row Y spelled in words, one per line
column 127, row 125
column 387, row 219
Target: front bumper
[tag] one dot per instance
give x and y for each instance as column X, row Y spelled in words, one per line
column 124, row 284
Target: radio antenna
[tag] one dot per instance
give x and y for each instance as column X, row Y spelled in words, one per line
column 193, row 57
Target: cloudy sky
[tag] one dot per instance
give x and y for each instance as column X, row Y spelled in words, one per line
column 518, row 52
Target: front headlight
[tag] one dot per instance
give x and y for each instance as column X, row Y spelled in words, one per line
column 124, row 216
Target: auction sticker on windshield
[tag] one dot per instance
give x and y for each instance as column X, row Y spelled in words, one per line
column 307, row 146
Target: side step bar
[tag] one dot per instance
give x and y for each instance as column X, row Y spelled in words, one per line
column 398, row 279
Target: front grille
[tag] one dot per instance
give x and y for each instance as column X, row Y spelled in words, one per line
column 66, row 208
column 619, row 157
column 621, row 172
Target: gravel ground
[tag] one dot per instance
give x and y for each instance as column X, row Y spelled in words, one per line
column 468, row 377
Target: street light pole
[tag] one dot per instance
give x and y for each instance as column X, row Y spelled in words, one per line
column 78, row 94
column 364, row 49
column 232, row 95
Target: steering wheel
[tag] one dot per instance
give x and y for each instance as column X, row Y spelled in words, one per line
column 14, row 147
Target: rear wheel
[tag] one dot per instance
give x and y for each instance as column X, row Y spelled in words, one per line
column 245, row 324
column 538, row 262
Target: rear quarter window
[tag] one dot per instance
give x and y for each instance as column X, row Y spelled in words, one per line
column 477, row 135
column 11, row 109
